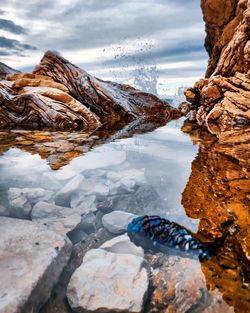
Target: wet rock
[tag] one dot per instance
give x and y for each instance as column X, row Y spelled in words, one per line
column 59, row 95
column 179, row 286
column 64, row 195
column 20, row 207
column 116, row 222
column 141, row 200
column 81, row 201
column 60, row 219
column 128, row 177
column 92, row 187
column 122, row 245
column 32, row 259
column 49, row 181
column 109, row 282
column 32, row 194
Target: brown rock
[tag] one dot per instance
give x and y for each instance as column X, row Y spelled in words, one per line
column 222, row 99
column 59, row 95
column 180, row 286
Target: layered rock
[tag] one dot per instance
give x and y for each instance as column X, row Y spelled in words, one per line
column 62, row 96
column 222, row 100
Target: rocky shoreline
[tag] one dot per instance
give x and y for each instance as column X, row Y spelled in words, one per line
column 64, row 244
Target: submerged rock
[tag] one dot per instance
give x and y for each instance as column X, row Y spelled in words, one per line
column 64, row 195
column 122, row 245
column 60, row 219
column 117, row 222
column 20, row 207
column 109, row 282
column 32, row 259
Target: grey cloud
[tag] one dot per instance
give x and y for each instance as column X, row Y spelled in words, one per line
column 76, row 25
column 87, row 24
column 12, row 46
column 11, row 27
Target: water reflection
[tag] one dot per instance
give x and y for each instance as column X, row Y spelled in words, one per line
column 143, row 168
column 218, row 193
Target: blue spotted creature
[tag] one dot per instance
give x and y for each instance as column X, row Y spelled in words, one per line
column 162, row 234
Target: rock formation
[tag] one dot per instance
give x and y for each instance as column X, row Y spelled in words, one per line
column 59, row 95
column 5, row 70
column 222, row 99
column 217, row 193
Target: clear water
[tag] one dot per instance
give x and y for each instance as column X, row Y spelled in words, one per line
column 145, row 173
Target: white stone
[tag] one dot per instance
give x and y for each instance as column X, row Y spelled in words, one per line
column 32, row 259
column 64, row 194
column 60, row 219
column 19, row 204
column 116, row 222
column 129, row 174
column 122, row 245
column 92, row 186
column 32, row 194
column 109, row 282
column 50, row 182
column 83, row 203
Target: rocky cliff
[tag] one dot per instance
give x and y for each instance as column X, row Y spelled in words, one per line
column 59, row 95
column 222, row 99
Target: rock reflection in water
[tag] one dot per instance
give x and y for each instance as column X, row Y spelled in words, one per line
column 218, row 193
column 59, row 148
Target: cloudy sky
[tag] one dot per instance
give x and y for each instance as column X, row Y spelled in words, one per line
column 155, row 40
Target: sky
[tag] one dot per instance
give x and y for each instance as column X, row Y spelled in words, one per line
column 148, row 43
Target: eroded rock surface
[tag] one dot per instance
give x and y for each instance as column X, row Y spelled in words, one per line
column 59, row 95
column 109, row 282
column 32, row 259
column 222, row 100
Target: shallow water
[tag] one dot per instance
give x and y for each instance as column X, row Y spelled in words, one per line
column 145, row 173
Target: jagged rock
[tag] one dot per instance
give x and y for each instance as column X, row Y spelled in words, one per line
column 126, row 178
column 6, row 70
column 109, row 282
column 32, row 259
column 32, row 194
column 82, row 201
column 60, row 95
column 227, row 41
column 123, row 245
column 20, row 207
column 116, row 222
column 222, row 100
column 63, row 196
